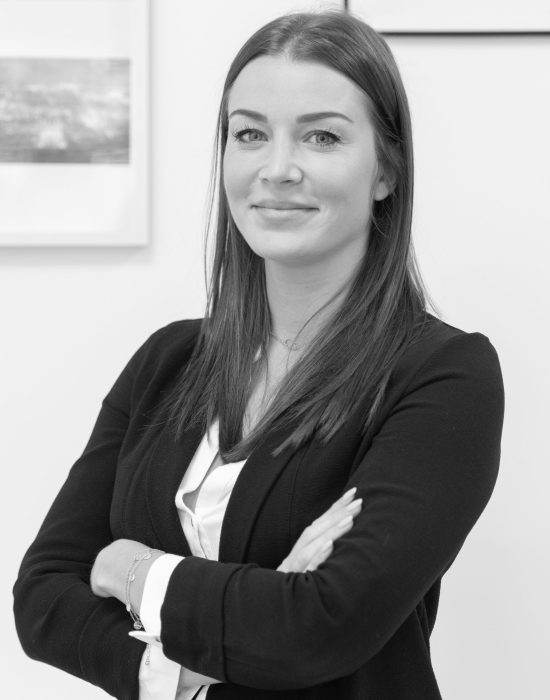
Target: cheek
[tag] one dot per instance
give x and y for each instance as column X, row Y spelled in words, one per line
column 351, row 184
column 235, row 177
column 346, row 193
column 228, row 177
column 236, row 192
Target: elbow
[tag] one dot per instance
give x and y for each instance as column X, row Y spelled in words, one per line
column 41, row 604
column 24, row 626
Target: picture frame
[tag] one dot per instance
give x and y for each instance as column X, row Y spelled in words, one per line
column 477, row 17
column 74, row 122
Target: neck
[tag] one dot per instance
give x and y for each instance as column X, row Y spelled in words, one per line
column 294, row 297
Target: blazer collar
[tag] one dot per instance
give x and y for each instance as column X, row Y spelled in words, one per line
column 167, row 464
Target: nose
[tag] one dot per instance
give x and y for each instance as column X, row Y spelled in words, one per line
column 280, row 163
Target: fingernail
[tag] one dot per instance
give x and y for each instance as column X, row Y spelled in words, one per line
column 349, row 494
column 355, row 505
column 345, row 522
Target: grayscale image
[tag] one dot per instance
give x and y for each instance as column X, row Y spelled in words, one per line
column 64, row 110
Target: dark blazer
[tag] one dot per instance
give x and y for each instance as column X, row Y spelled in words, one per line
column 358, row 626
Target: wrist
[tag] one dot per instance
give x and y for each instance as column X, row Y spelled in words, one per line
column 136, row 576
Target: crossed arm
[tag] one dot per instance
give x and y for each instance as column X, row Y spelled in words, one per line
column 112, row 565
column 424, row 482
column 109, row 573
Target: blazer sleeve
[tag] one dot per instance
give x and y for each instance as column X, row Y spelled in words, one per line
column 425, row 479
column 58, row 619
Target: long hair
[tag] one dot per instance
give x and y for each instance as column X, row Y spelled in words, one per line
column 351, row 359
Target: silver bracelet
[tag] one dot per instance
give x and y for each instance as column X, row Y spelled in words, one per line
column 131, row 576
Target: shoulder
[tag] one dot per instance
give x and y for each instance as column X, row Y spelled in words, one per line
column 444, row 354
column 168, row 342
column 156, row 363
column 439, row 342
column 165, row 352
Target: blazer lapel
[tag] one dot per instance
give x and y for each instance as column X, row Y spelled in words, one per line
column 261, row 471
column 167, row 465
column 252, row 487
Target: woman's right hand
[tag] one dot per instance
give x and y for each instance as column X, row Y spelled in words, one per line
column 315, row 544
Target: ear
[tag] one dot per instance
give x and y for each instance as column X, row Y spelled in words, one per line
column 384, row 185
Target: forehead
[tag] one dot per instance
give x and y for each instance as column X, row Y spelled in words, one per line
column 279, row 85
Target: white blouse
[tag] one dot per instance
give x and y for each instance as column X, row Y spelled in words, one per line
column 161, row 678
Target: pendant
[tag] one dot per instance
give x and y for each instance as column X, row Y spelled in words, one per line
column 290, row 345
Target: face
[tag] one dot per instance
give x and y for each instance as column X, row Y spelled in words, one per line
column 299, row 183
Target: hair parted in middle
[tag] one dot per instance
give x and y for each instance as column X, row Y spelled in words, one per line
column 351, row 359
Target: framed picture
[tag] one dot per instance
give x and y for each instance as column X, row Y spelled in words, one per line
column 464, row 17
column 74, row 122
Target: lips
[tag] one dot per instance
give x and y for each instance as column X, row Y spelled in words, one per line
column 273, row 204
column 280, row 216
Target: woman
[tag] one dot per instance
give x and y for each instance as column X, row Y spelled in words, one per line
column 317, row 370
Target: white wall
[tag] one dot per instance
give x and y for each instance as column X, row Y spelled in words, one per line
column 480, row 113
column 72, row 317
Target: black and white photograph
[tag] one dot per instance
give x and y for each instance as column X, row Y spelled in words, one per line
column 74, row 123
column 55, row 110
column 275, row 294
column 450, row 16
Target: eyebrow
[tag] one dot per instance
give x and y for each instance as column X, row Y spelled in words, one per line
column 302, row 119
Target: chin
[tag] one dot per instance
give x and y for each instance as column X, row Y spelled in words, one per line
column 291, row 258
column 276, row 250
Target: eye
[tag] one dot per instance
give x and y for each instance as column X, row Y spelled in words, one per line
column 241, row 133
column 332, row 136
column 329, row 137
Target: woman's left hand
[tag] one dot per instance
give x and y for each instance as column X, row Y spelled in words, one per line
column 110, row 571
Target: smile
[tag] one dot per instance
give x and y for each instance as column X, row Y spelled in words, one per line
column 282, row 214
